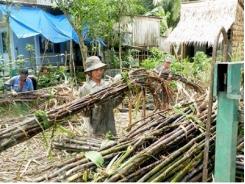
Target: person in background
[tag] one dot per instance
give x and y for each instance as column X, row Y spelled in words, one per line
column 100, row 119
column 20, row 83
column 165, row 67
column 44, row 70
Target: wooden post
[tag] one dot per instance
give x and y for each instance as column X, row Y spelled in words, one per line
column 144, row 104
column 129, row 112
column 70, row 58
column 227, row 121
column 65, row 59
column 72, row 64
column 9, row 44
column 182, row 50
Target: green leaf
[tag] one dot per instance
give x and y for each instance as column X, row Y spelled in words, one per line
column 111, row 166
column 42, row 117
column 95, row 157
column 65, row 131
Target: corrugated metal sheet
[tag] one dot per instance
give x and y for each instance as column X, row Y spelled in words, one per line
column 143, row 31
column 164, row 45
column 46, row 2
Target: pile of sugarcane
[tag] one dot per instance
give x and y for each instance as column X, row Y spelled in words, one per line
column 165, row 146
column 159, row 148
column 61, row 92
column 176, row 77
column 240, row 161
column 240, row 147
column 42, row 120
column 77, row 144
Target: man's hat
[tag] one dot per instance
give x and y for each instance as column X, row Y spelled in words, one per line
column 93, row 63
column 168, row 59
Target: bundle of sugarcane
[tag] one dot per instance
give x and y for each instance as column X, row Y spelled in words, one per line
column 187, row 82
column 157, row 144
column 77, row 144
column 240, row 168
column 169, row 150
column 240, row 161
column 42, row 120
column 59, row 92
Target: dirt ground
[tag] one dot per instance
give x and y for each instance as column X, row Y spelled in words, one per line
column 27, row 160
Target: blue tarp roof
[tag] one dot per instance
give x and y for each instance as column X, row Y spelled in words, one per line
column 28, row 21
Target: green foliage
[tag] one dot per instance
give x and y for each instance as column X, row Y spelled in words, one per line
column 149, row 63
column 42, row 117
column 52, row 78
column 128, row 59
column 120, row 8
column 159, row 12
column 114, row 60
column 89, row 13
column 125, row 76
column 167, row 10
column 201, row 62
column 173, row 7
column 81, row 76
column 95, row 157
column 29, row 47
column 20, row 61
column 64, row 131
column 99, row 16
column 1, row 63
column 15, row 109
column 198, row 69
column 109, row 135
column 147, row 4
column 157, row 57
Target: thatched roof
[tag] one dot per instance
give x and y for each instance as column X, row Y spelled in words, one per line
column 200, row 21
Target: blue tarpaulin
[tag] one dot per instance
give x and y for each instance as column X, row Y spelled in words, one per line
column 28, row 21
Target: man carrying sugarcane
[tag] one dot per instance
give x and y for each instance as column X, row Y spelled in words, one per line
column 100, row 119
column 165, row 67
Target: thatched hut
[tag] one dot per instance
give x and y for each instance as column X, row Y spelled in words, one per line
column 200, row 22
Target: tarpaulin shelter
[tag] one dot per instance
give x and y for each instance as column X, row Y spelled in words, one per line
column 29, row 21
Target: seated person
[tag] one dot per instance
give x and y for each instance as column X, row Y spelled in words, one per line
column 20, row 83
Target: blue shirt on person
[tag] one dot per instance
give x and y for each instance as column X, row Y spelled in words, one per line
column 14, row 83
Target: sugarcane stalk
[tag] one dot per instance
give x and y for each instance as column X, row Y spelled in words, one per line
column 171, row 157
column 139, row 77
column 143, row 156
column 196, row 178
column 129, row 113
column 187, row 155
column 74, row 147
column 160, row 141
column 133, row 177
column 81, row 142
column 192, row 164
column 192, row 173
column 69, row 173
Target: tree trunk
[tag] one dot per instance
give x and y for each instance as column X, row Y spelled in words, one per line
column 9, row 44
column 120, row 46
column 83, row 50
